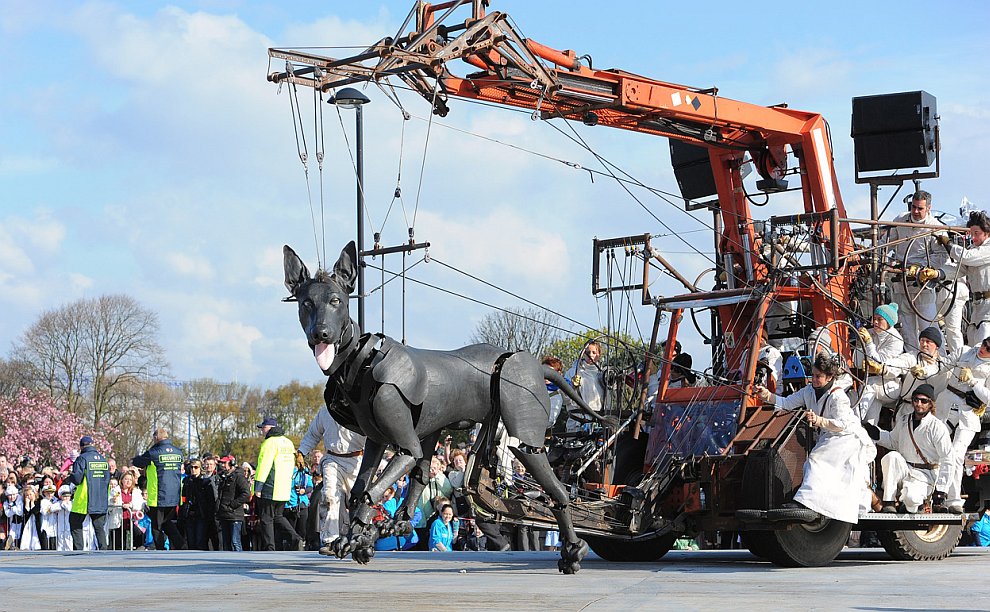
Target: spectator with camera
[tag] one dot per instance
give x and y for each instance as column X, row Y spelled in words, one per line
column 297, row 508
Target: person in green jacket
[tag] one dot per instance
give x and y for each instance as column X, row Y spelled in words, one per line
column 273, row 484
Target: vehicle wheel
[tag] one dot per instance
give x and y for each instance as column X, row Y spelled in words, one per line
column 921, row 545
column 630, row 551
column 807, row 545
column 756, row 542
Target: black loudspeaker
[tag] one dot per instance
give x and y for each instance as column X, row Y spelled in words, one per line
column 894, row 131
column 692, row 169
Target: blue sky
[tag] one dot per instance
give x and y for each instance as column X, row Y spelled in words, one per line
column 143, row 151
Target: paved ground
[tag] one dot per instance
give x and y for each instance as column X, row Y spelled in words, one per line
column 862, row 579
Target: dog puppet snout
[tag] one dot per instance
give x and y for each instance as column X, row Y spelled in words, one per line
column 321, row 334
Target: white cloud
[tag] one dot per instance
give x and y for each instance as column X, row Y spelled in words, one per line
column 21, row 240
column 812, row 70
column 269, row 268
column 21, row 164
column 80, row 282
column 192, row 266
column 218, row 344
column 500, row 243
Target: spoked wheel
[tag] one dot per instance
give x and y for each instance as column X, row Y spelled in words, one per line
column 631, row 551
column 913, row 290
column 921, row 545
column 857, row 353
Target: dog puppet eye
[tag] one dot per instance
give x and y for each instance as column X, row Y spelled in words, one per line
column 335, row 301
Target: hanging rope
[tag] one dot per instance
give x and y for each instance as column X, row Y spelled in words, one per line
column 300, row 133
column 426, row 146
column 319, row 139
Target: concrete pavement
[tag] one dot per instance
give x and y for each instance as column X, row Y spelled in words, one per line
column 863, row 579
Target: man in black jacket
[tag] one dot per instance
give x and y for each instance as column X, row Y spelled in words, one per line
column 233, row 491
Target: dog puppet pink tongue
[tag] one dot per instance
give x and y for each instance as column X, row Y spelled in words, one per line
column 324, row 355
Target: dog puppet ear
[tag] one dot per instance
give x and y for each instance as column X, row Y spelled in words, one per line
column 296, row 272
column 345, row 270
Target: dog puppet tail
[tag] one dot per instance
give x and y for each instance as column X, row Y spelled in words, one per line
column 558, row 379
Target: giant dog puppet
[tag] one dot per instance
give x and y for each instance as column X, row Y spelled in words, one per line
column 403, row 397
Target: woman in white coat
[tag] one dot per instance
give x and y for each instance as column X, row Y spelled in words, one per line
column 836, row 473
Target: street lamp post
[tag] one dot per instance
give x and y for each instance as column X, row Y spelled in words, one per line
column 349, row 97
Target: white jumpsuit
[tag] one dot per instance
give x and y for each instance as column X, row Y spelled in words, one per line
column 887, row 344
column 975, row 264
column 339, row 472
column 925, row 252
column 952, row 409
column 836, row 474
column 911, row 484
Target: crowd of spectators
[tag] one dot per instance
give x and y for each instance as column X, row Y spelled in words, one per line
column 217, row 510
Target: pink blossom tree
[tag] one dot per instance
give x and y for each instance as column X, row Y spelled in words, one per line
column 34, row 424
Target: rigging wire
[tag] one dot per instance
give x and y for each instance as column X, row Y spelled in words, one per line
column 319, row 139
column 299, row 131
column 426, row 146
column 507, row 292
column 481, row 302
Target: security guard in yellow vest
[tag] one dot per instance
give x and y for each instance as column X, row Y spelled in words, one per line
column 273, row 484
column 91, row 475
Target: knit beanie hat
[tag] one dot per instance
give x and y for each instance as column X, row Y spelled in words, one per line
column 925, row 390
column 888, row 312
column 932, row 334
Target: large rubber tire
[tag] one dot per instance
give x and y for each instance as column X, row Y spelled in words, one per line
column 803, row 545
column 931, row 545
column 756, row 542
column 630, row 551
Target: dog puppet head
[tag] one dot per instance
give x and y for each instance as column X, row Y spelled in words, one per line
column 322, row 302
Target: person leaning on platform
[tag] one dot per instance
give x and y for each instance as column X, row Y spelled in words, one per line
column 837, row 469
column 163, row 463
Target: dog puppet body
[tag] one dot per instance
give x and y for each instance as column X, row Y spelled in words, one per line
column 404, row 397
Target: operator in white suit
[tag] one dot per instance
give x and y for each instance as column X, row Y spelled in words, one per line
column 836, row 474
column 920, row 253
column 966, row 390
column 919, row 444
column 339, row 466
column 881, row 344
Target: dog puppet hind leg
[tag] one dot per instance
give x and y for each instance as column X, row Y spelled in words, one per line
column 418, row 479
column 573, row 549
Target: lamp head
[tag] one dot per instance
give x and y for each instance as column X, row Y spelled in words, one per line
column 349, row 97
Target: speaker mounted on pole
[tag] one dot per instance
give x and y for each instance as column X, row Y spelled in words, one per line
column 894, row 131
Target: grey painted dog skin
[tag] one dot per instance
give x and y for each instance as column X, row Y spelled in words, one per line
column 403, row 397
